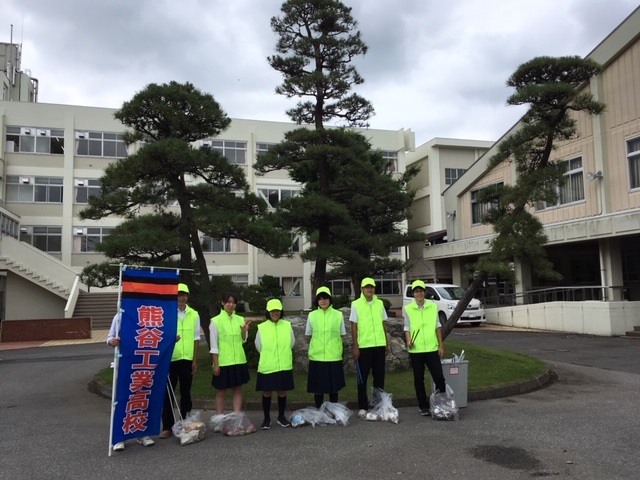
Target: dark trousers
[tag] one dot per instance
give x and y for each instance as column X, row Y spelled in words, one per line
column 371, row 360
column 179, row 372
column 432, row 361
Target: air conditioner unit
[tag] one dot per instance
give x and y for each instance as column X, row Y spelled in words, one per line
column 80, row 231
column 24, row 230
column 25, row 180
column 44, row 133
column 82, row 134
column 80, row 183
column 25, row 131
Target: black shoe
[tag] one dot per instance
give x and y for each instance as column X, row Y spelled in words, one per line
column 283, row 422
column 425, row 412
column 266, row 425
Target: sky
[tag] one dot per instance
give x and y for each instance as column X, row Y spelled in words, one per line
column 436, row 67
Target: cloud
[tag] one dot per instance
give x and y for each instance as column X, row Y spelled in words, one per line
column 438, row 68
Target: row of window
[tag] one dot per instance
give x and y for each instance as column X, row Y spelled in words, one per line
column 571, row 191
column 86, row 239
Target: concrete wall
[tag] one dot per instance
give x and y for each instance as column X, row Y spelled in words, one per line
column 594, row 318
column 25, row 300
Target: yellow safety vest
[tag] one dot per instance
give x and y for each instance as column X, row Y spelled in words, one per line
column 276, row 354
column 183, row 350
column 370, row 330
column 326, row 337
column 230, row 349
column 422, row 326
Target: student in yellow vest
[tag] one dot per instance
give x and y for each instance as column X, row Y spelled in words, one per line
column 325, row 325
column 370, row 343
column 275, row 341
column 227, row 333
column 423, row 333
column 184, row 361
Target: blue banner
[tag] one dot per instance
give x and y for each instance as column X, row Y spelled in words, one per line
column 148, row 331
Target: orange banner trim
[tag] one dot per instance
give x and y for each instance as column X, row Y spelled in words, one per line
column 153, row 288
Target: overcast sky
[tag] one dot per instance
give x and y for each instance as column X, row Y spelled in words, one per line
column 437, row 67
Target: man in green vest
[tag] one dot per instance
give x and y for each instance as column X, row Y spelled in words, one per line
column 370, row 343
column 183, row 361
column 423, row 333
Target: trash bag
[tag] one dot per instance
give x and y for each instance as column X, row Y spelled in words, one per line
column 383, row 409
column 310, row 416
column 190, row 430
column 215, row 424
column 337, row 411
column 236, row 424
column 443, row 405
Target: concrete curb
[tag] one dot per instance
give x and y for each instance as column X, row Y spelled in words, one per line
column 99, row 387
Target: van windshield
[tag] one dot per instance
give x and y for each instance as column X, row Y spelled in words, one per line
column 451, row 293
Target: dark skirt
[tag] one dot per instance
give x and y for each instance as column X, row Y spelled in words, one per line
column 278, row 381
column 231, row 376
column 325, row 377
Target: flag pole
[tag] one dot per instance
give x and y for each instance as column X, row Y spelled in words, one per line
column 116, row 360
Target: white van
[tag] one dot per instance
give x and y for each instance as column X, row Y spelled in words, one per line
column 446, row 297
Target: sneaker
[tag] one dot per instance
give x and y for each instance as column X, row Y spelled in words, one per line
column 165, row 434
column 362, row 413
column 118, row 447
column 425, row 412
column 283, row 422
column 145, row 441
column 266, row 425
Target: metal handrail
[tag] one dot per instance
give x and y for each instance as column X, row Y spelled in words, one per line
column 555, row 294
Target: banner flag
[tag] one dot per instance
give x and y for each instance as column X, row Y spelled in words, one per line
column 148, row 328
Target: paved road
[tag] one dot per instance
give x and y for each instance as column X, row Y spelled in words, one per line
column 585, row 426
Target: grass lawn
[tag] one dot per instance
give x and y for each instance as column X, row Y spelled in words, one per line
column 488, row 368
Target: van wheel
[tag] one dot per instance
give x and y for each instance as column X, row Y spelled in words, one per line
column 442, row 317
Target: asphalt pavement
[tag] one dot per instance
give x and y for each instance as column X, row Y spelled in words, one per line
column 582, row 426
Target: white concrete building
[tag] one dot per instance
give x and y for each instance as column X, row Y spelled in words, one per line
column 51, row 159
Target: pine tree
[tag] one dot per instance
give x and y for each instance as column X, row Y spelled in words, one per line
column 554, row 88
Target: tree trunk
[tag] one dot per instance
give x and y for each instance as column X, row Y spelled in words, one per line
column 462, row 304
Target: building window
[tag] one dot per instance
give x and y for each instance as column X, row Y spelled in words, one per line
column 479, row 210
column 100, row 144
column 392, row 159
column 573, row 188
column 223, row 245
column 34, row 140
column 296, row 242
column 633, row 159
column 47, row 239
column 234, row 152
column 388, row 284
column 34, row 189
column 452, row 174
column 273, row 196
column 86, row 239
column 340, row 286
column 241, row 280
column 85, row 188
column 263, row 148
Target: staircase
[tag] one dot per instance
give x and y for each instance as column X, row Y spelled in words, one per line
column 101, row 307
column 36, row 266
column 635, row 333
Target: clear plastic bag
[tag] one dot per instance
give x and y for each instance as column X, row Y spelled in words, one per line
column 338, row 411
column 311, row 416
column 215, row 424
column 383, row 409
column 443, row 405
column 190, row 430
column 236, row 424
